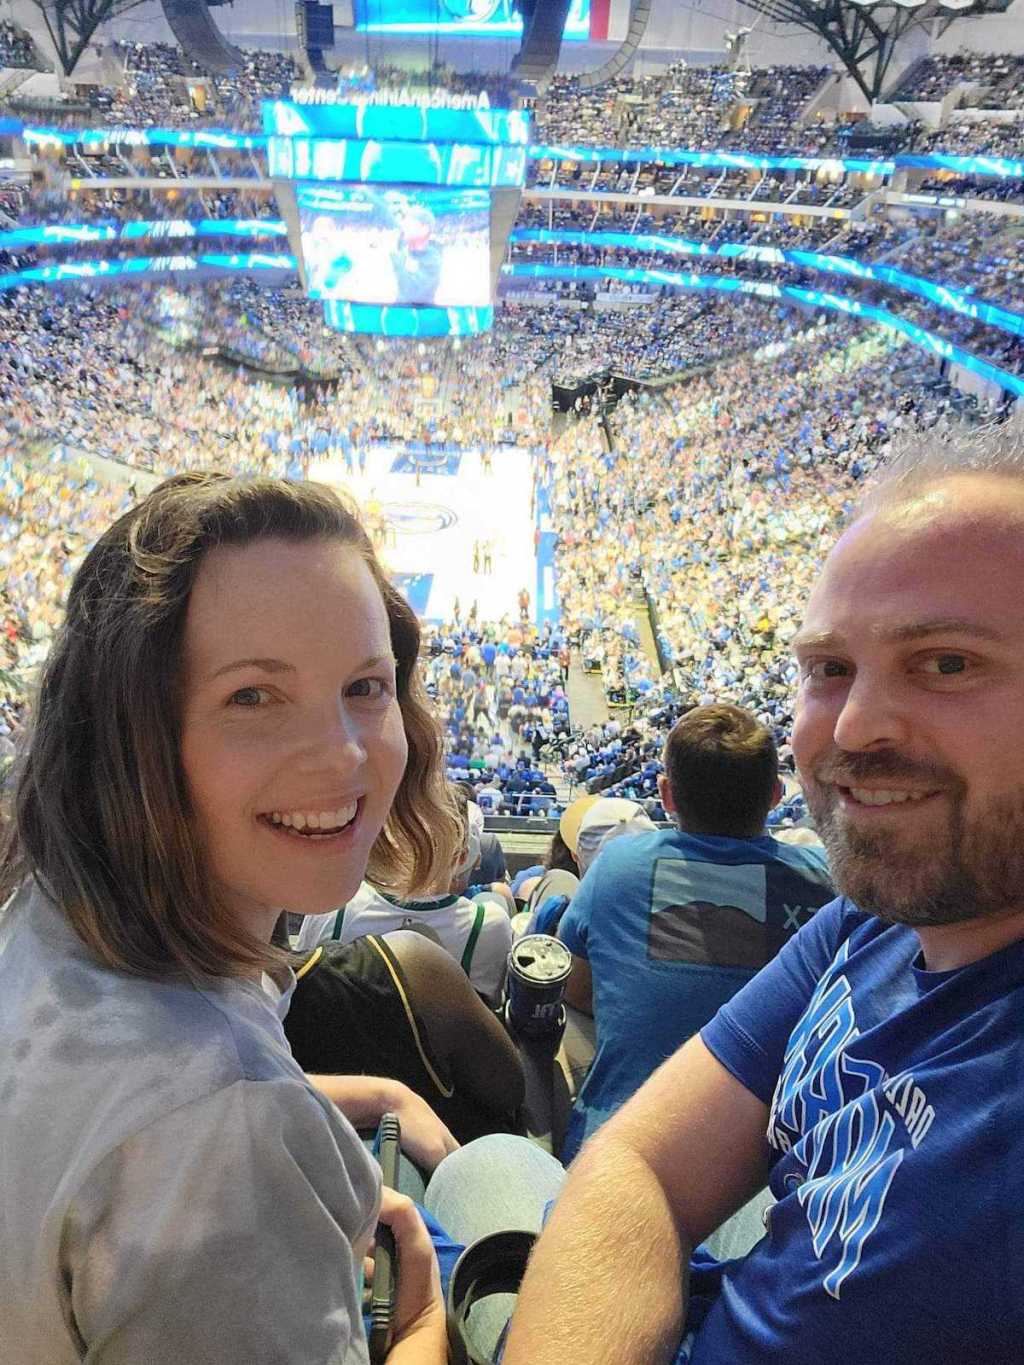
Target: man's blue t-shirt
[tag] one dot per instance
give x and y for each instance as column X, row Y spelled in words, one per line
column 672, row 925
column 896, row 1128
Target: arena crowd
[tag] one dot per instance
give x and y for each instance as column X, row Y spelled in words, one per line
column 671, row 998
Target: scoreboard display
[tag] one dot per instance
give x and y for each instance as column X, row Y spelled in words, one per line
column 388, row 206
column 386, row 162
column 458, row 18
column 371, row 244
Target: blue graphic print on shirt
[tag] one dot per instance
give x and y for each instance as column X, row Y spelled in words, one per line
column 830, row 1097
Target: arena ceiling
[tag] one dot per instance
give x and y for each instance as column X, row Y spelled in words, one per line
column 72, row 23
column 864, row 33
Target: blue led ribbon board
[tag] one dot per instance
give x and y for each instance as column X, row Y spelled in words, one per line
column 397, row 321
column 70, row 234
column 1000, row 167
column 389, row 206
column 249, row 261
column 213, row 139
column 370, row 160
column 480, row 126
column 712, row 160
column 811, row 298
column 397, row 122
column 943, row 296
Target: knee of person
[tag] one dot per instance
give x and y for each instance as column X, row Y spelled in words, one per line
column 496, row 1182
column 494, row 1157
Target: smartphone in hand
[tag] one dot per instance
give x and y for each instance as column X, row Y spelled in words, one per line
column 384, row 1287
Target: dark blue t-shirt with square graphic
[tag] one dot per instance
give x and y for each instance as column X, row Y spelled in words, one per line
column 896, row 1141
column 672, row 925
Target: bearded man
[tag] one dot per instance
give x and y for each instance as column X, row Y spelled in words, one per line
column 873, row 1073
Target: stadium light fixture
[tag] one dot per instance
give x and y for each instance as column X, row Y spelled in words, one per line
column 72, row 23
column 864, row 34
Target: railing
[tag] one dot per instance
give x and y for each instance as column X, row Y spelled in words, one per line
column 664, row 662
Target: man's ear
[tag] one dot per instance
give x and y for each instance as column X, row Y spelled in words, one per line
column 778, row 792
column 665, row 793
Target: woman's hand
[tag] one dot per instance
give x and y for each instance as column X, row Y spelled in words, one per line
column 363, row 1099
column 420, row 1334
column 425, row 1139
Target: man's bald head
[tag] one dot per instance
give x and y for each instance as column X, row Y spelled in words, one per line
column 910, row 720
column 953, row 459
column 957, row 517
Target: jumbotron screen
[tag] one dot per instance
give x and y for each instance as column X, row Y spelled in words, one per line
column 377, row 244
column 469, row 18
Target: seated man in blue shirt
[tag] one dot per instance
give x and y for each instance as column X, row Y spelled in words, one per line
column 871, row 1074
column 667, row 925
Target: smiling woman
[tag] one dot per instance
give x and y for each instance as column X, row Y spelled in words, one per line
column 291, row 774
column 230, row 725
column 223, row 622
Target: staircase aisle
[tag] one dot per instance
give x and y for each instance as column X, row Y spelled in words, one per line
column 587, row 704
column 648, row 648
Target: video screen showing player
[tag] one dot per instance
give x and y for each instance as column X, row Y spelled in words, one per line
column 366, row 244
column 497, row 18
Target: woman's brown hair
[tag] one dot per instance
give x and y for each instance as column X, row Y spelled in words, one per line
column 101, row 809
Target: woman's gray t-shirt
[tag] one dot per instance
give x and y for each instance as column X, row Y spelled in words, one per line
column 171, row 1187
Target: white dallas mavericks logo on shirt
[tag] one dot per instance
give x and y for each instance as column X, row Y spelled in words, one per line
column 827, row 1106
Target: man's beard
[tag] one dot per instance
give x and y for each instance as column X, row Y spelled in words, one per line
column 971, row 868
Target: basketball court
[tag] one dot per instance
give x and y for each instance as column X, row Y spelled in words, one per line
column 435, row 507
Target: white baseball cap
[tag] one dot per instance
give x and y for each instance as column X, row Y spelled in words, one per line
column 474, row 829
column 606, row 819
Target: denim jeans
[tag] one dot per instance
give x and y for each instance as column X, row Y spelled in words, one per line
column 494, row 1184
